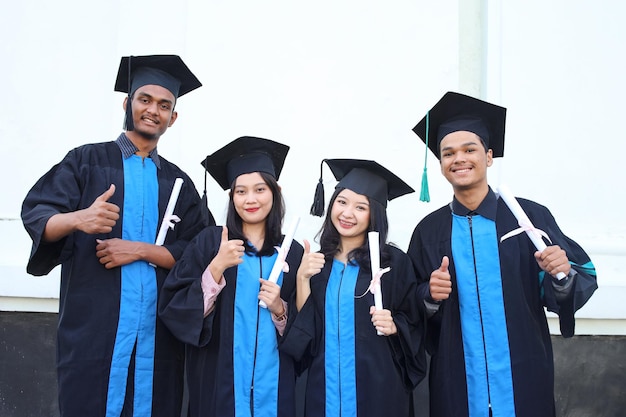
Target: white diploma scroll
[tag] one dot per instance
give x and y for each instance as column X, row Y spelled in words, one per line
column 169, row 218
column 523, row 221
column 375, row 262
column 280, row 262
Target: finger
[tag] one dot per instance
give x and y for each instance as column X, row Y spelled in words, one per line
column 224, row 234
column 445, row 261
column 307, row 247
column 107, row 194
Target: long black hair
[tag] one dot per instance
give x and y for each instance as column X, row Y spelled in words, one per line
column 273, row 221
column 330, row 238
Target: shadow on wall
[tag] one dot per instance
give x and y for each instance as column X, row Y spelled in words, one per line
column 590, row 371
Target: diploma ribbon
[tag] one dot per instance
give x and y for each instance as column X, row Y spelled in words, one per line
column 375, row 282
column 282, row 258
column 171, row 221
column 525, row 227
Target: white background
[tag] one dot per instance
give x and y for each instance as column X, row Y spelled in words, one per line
column 332, row 79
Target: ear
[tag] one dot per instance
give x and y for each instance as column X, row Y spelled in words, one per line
column 124, row 103
column 489, row 157
column 173, row 118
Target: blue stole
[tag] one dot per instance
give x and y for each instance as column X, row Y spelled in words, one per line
column 138, row 299
column 339, row 342
column 255, row 344
column 483, row 320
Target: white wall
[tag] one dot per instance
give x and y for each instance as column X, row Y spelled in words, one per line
column 331, row 79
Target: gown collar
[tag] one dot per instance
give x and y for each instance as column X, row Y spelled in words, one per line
column 128, row 149
column 487, row 207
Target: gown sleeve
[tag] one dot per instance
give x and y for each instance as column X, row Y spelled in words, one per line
column 181, row 305
column 408, row 344
column 57, row 191
column 585, row 279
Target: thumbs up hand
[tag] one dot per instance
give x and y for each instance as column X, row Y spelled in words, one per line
column 101, row 216
column 311, row 264
column 229, row 254
column 440, row 283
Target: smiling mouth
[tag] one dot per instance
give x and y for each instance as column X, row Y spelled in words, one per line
column 252, row 210
column 345, row 224
column 150, row 120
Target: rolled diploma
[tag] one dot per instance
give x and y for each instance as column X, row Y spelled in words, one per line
column 375, row 262
column 522, row 219
column 282, row 254
column 171, row 204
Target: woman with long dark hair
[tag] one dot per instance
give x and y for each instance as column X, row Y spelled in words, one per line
column 361, row 361
column 210, row 299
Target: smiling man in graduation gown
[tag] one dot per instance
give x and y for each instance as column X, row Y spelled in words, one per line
column 97, row 214
column 483, row 288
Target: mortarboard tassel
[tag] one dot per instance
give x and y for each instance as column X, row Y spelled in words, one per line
column 128, row 115
column 207, row 216
column 424, row 193
column 317, row 209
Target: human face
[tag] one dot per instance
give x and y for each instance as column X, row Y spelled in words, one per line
column 464, row 161
column 350, row 214
column 252, row 198
column 153, row 111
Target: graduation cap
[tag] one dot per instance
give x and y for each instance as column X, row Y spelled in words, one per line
column 363, row 177
column 458, row 112
column 167, row 71
column 245, row 155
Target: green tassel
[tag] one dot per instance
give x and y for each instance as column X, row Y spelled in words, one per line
column 424, row 193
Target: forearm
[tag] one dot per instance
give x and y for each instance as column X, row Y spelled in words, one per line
column 303, row 291
column 156, row 255
column 59, row 226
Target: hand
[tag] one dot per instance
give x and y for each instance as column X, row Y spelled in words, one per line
column 101, row 216
column 229, row 254
column 383, row 322
column 553, row 260
column 117, row 252
column 269, row 293
column 440, row 283
column 311, row 264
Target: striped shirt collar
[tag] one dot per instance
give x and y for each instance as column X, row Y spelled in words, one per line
column 128, row 149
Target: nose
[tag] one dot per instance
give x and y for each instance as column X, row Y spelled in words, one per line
column 153, row 107
column 459, row 157
column 348, row 212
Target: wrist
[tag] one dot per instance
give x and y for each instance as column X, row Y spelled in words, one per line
column 280, row 317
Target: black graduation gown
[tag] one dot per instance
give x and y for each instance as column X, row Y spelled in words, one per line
column 387, row 368
column 90, row 294
column 524, row 300
column 210, row 340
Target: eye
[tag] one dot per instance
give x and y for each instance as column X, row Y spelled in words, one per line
column 239, row 191
column 165, row 106
column 361, row 208
column 261, row 189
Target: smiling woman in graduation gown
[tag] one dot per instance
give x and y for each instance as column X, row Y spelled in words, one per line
column 234, row 367
column 351, row 369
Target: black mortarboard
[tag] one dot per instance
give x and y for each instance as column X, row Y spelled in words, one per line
column 454, row 112
column 363, row 177
column 168, row 71
column 245, row 155
column 458, row 112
